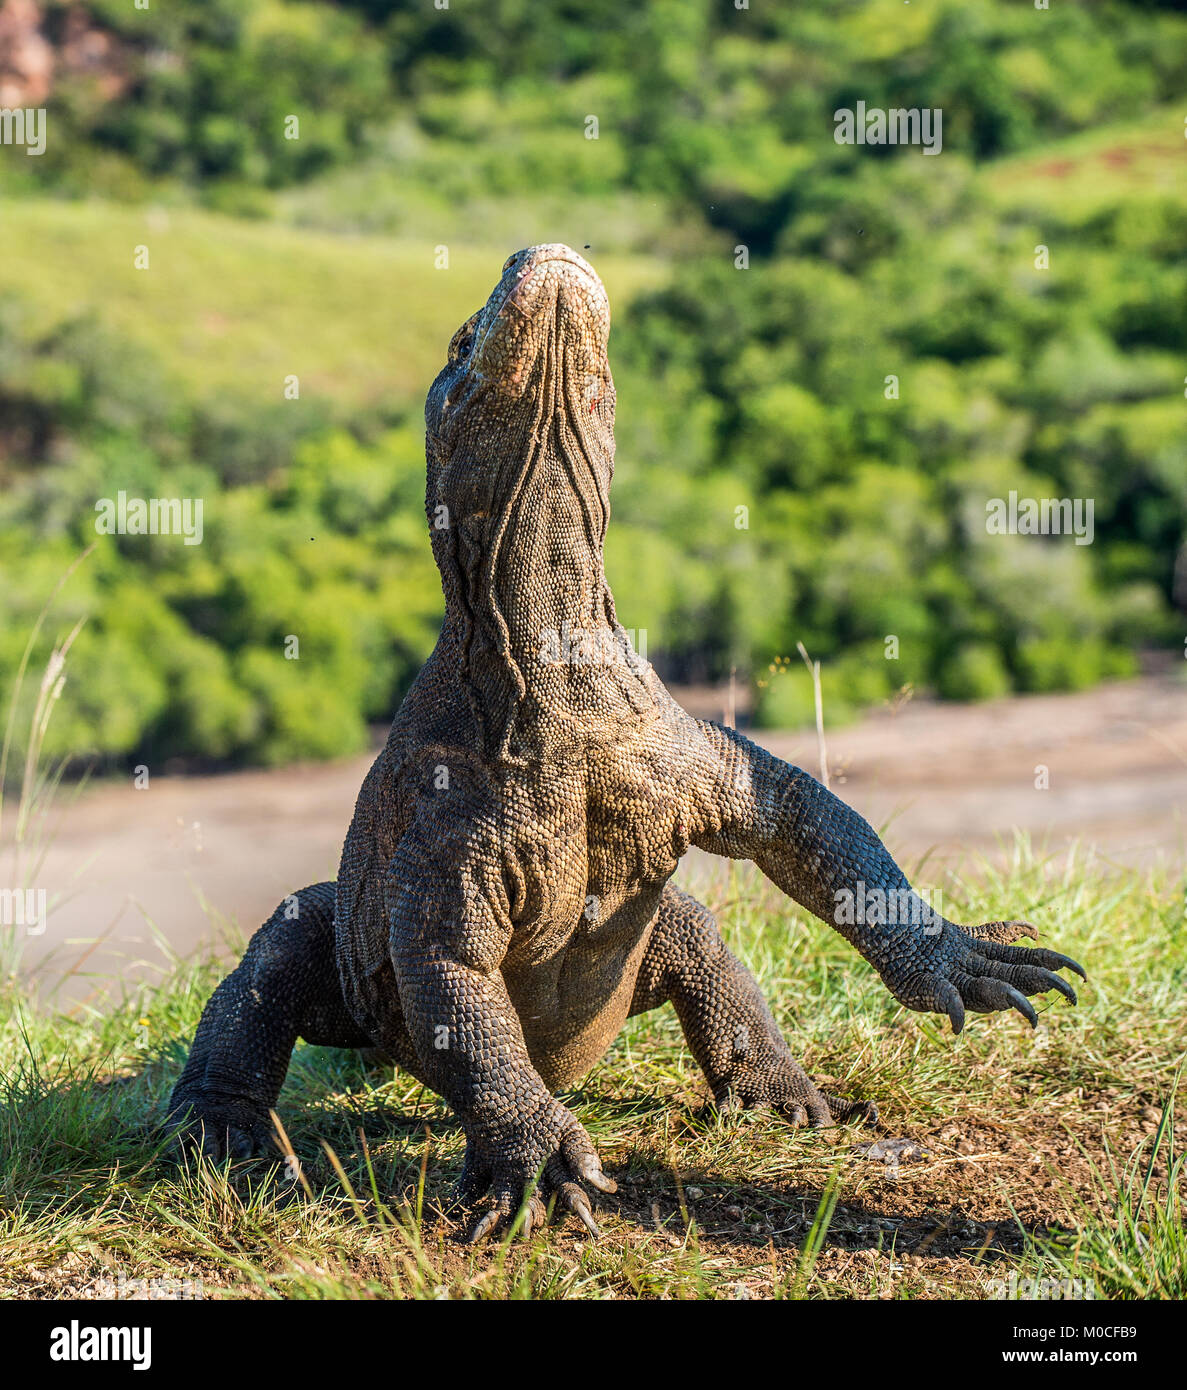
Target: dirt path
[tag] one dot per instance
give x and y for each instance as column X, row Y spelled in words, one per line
column 191, row 852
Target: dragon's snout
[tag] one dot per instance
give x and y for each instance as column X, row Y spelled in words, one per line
column 548, row 295
column 554, row 265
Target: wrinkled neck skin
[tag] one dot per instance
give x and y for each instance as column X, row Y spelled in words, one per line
column 518, row 502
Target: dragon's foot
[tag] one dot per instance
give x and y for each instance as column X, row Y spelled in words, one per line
column 218, row 1127
column 979, row 969
column 786, row 1090
column 542, row 1165
column 862, row 1112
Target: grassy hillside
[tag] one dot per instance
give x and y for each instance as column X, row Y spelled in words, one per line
column 1098, row 169
column 233, row 306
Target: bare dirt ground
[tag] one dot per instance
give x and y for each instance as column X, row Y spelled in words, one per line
column 945, row 781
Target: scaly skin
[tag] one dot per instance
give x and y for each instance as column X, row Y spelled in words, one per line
column 503, row 902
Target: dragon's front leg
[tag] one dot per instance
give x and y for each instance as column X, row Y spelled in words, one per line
column 449, row 933
column 828, row 858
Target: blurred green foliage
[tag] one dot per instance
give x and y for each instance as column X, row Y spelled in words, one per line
column 806, row 445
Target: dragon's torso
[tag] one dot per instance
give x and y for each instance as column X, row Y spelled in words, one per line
column 585, row 841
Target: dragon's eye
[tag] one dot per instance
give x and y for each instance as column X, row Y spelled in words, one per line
column 465, row 342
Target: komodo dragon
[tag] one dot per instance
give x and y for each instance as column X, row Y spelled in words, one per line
column 503, row 902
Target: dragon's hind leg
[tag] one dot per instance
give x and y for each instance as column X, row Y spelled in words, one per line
column 726, row 1020
column 286, row 987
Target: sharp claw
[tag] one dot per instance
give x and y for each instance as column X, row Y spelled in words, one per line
column 851, row 1111
column 483, row 1229
column 952, row 1004
column 1022, row 1004
column 1030, row 955
column 1056, row 982
column 578, row 1204
column 591, row 1172
column 1052, row 960
column 586, row 1219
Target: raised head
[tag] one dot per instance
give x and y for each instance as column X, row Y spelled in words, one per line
column 519, row 429
column 526, row 380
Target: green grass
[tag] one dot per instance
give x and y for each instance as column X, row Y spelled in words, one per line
column 1020, row 1130
column 232, row 306
column 1142, row 1251
column 1085, row 173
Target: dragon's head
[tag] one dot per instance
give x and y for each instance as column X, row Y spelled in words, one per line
column 526, row 390
column 520, row 450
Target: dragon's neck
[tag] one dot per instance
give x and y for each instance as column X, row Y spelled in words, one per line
column 531, row 620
